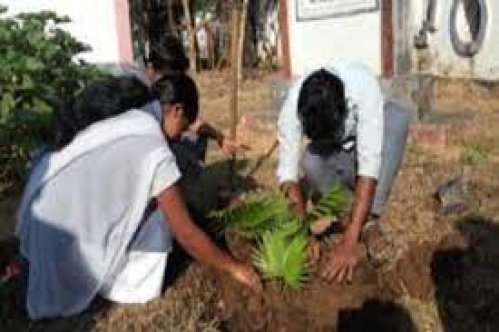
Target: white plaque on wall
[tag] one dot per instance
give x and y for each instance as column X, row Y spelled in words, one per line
column 317, row 9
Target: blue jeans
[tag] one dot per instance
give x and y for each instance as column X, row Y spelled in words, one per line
column 322, row 171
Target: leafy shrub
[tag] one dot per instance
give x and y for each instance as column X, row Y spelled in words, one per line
column 37, row 73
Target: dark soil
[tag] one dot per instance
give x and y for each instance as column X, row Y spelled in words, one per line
column 320, row 306
column 461, row 272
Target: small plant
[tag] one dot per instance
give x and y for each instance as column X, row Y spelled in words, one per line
column 280, row 235
column 281, row 254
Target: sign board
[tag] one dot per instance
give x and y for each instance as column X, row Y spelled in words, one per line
column 318, row 9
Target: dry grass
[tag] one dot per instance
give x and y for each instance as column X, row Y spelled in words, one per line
column 453, row 95
column 423, row 313
column 184, row 307
column 474, row 153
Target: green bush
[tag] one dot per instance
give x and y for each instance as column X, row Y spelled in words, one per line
column 38, row 71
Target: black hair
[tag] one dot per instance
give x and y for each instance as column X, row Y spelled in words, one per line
column 322, row 111
column 178, row 88
column 101, row 99
column 169, row 56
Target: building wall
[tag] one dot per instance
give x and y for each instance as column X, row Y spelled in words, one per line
column 440, row 57
column 354, row 36
column 94, row 22
column 357, row 36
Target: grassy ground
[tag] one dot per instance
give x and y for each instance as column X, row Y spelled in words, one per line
column 444, row 279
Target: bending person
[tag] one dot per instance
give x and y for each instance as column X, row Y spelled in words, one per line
column 356, row 137
column 87, row 223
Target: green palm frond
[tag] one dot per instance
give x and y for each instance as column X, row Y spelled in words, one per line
column 256, row 215
column 267, row 255
column 332, row 204
column 294, row 262
column 281, row 254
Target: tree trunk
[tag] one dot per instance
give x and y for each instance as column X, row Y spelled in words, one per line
column 147, row 38
column 192, row 37
column 240, row 37
column 171, row 18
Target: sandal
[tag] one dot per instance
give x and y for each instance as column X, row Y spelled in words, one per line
column 380, row 246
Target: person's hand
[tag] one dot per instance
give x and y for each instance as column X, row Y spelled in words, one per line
column 247, row 275
column 342, row 261
column 295, row 196
column 230, row 146
column 196, row 126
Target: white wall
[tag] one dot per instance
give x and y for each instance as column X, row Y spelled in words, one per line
column 316, row 42
column 442, row 59
column 94, row 23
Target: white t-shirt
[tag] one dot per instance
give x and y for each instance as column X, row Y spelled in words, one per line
column 364, row 122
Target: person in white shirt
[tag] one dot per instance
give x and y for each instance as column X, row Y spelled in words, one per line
column 202, row 38
column 101, row 208
column 355, row 137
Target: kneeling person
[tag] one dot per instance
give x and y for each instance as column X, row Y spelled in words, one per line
column 355, row 137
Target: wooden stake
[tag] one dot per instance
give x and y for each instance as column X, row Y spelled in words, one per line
column 234, row 65
column 233, row 104
column 237, row 43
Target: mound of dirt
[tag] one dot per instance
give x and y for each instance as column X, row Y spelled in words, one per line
column 314, row 307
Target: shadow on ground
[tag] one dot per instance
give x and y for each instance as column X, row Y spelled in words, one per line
column 467, row 280
column 214, row 190
column 376, row 316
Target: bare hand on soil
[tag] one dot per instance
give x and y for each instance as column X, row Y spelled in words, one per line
column 342, row 262
column 247, row 275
